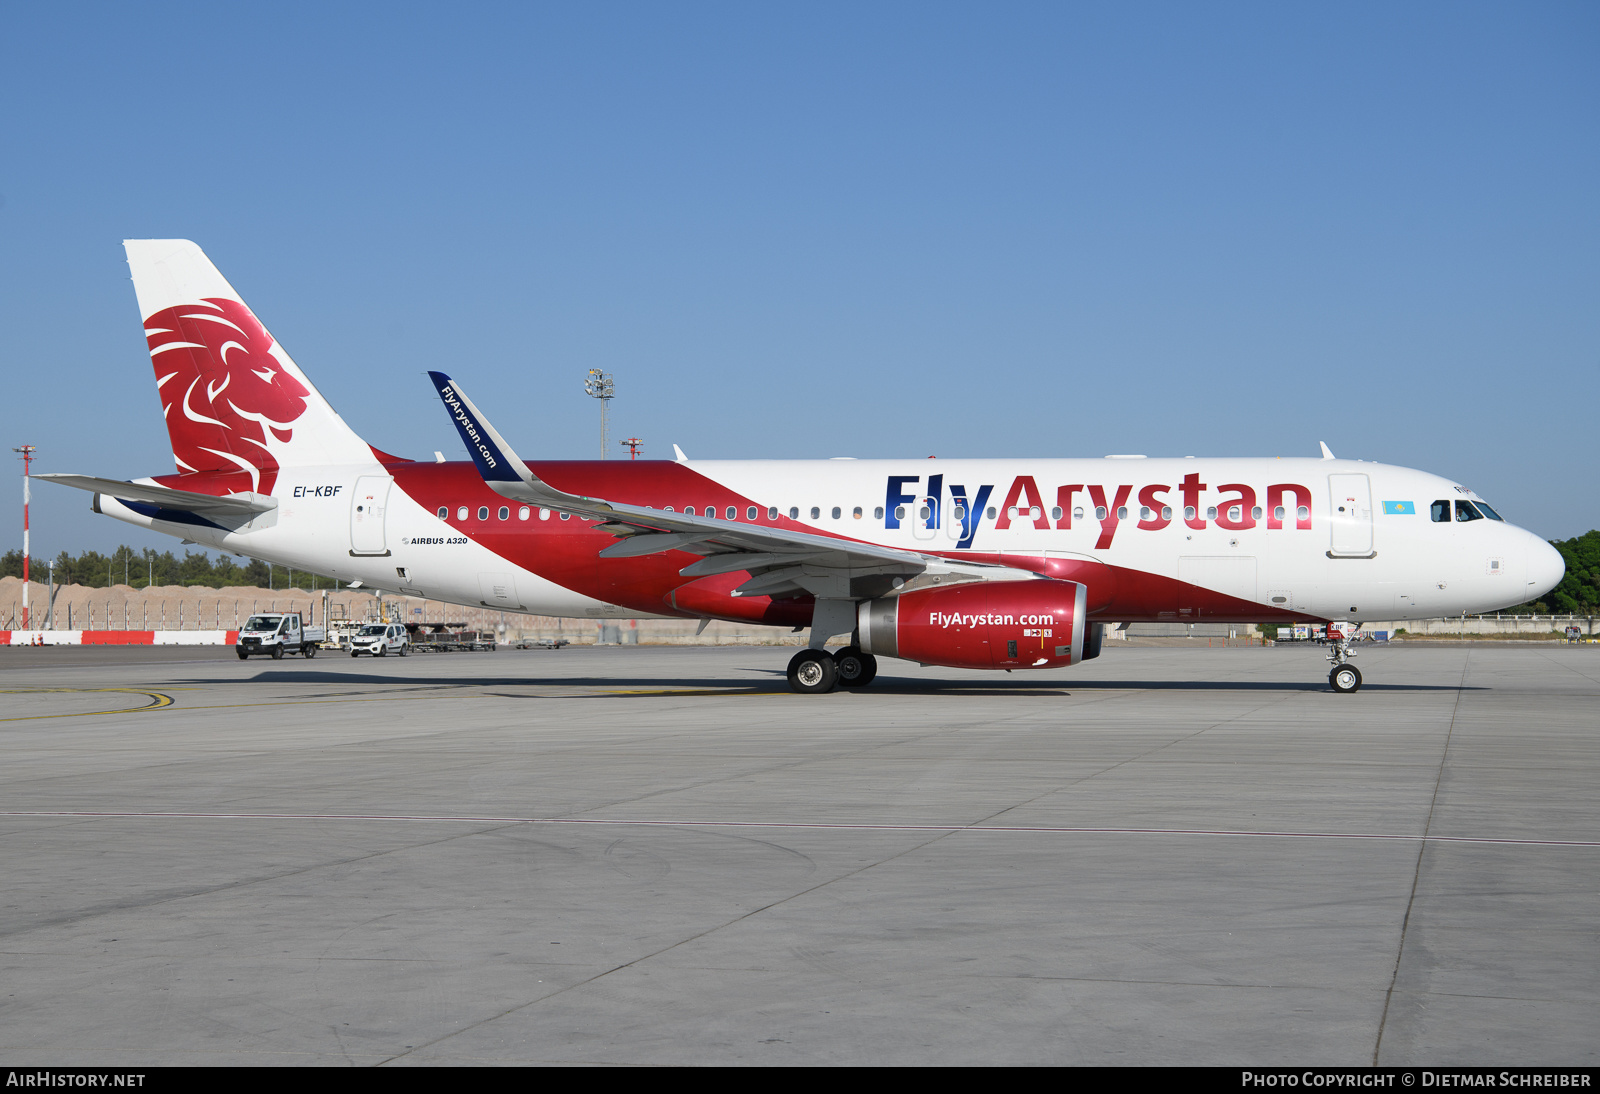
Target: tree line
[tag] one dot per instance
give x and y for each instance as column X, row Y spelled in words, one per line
column 1578, row 593
column 142, row 569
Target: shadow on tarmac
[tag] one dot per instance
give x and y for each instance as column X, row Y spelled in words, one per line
column 776, row 683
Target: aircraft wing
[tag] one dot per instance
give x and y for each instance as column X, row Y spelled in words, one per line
column 244, row 505
column 780, row 561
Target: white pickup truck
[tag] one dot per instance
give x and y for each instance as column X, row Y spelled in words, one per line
column 277, row 634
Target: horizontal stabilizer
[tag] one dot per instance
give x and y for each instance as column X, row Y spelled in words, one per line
column 243, row 504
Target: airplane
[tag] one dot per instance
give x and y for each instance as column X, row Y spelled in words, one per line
column 966, row 563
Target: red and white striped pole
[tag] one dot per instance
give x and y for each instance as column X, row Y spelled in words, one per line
column 27, row 451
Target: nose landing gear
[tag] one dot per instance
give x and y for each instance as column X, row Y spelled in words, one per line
column 1344, row 676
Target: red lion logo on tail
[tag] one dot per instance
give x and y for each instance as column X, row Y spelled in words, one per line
column 222, row 390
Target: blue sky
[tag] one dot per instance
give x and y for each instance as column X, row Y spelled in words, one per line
column 817, row 230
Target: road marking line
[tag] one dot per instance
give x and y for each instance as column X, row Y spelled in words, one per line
column 157, row 701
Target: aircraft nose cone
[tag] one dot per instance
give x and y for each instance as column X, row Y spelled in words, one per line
column 1546, row 568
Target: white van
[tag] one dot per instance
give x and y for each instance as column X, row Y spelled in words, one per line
column 380, row 639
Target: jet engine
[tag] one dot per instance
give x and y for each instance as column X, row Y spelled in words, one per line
column 983, row 625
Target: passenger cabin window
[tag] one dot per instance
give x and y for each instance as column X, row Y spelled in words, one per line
column 856, row 512
column 772, row 512
column 1099, row 512
column 1166, row 512
column 899, row 512
column 444, row 511
column 1211, row 512
column 522, row 514
column 990, row 512
column 1122, row 512
column 815, row 513
column 1465, row 511
column 505, row 512
column 1077, row 512
column 794, row 512
column 483, row 512
column 877, row 514
column 461, row 513
column 733, row 513
column 1055, row 512
column 1441, row 511
column 836, row 512
column 750, row 512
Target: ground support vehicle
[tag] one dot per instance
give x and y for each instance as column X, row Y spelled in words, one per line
column 380, row 640
column 542, row 643
column 277, row 633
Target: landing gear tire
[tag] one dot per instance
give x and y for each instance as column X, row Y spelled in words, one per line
column 856, row 669
column 812, row 672
column 277, row 652
column 1345, row 678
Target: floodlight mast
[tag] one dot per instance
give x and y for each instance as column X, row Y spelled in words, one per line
column 598, row 385
column 27, row 451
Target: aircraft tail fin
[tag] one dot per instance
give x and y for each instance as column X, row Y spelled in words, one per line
column 236, row 405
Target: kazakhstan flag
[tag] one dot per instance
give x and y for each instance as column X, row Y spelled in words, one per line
column 1399, row 509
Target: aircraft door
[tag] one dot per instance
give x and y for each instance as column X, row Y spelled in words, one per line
column 369, row 504
column 499, row 591
column 1350, row 507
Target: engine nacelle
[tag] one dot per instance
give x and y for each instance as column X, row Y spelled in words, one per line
column 983, row 625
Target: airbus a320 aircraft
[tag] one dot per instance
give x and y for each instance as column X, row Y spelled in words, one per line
column 992, row 564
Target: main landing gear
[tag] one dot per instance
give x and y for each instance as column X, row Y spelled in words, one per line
column 1344, row 677
column 813, row 672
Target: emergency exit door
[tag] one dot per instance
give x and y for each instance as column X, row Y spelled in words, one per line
column 369, row 504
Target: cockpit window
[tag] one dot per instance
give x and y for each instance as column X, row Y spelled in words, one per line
column 1441, row 511
column 1465, row 511
column 1486, row 511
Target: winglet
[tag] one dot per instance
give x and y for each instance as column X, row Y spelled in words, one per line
column 504, row 473
column 1327, row 453
column 681, row 458
column 494, row 457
